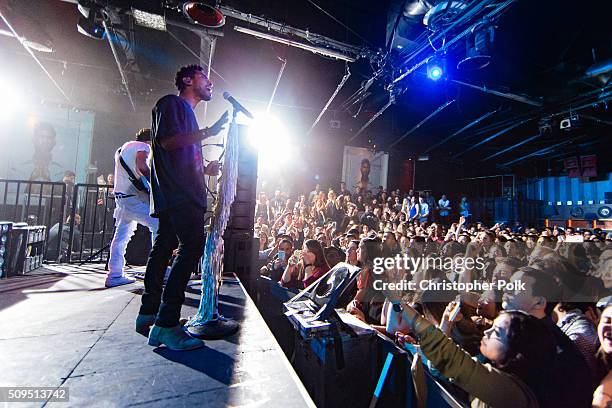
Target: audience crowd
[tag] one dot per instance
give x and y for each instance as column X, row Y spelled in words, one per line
column 548, row 343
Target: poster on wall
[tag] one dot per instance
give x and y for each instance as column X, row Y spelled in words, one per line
column 42, row 144
column 364, row 168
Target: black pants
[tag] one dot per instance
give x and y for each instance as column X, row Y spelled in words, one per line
column 183, row 226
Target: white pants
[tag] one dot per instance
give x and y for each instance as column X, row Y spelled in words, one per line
column 128, row 214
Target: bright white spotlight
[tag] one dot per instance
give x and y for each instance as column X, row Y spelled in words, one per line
column 268, row 135
column 10, row 102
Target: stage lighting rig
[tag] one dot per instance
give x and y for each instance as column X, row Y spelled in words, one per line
column 478, row 47
column 436, row 68
column 203, row 14
column 570, row 123
column 90, row 22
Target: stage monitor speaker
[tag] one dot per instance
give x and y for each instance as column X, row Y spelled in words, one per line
column 240, row 255
column 242, row 214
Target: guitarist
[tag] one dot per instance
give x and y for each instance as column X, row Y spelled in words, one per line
column 132, row 202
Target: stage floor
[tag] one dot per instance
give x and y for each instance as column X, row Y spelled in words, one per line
column 59, row 326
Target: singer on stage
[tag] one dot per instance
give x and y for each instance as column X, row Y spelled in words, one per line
column 178, row 199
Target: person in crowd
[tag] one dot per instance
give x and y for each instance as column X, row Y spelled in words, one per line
column 368, row 302
column 602, row 397
column 351, row 252
column 178, row 199
column 433, row 208
column 505, row 249
column 132, row 203
column 263, row 245
column 310, row 267
column 343, row 190
column 391, row 247
column 539, row 297
column 334, row 255
column 370, row 219
column 572, row 320
column 275, row 268
column 314, row 193
column 61, row 254
column 519, row 348
column 504, row 269
column 414, row 210
column 444, row 209
column 263, row 210
column 424, row 209
column 69, row 179
column 464, row 208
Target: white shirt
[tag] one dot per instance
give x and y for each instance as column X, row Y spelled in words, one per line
column 128, row 153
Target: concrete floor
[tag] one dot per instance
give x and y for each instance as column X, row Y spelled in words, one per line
column 60, row 327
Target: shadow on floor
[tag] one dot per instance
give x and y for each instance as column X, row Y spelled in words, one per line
column 214, row 364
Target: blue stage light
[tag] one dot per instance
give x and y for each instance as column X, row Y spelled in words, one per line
column 435, row 73
column 436, row 68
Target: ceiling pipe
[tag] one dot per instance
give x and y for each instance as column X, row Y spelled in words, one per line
column 507, row 95
column 418, row 125
column 488, row 139
column 514, row 146
column 463, row 129
column 390, row 102
column 329, row 101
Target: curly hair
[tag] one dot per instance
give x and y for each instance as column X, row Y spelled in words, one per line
column 531, row 351
column 188, row 71
column 143, row 135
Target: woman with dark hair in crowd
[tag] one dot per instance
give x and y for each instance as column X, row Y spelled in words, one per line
column 368, row 302
column 414, row 209
column 462, row 330
column 311, row 266
column 519, row 347
column 390, row 246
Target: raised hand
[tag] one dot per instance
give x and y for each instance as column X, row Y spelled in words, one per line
column 217, row 127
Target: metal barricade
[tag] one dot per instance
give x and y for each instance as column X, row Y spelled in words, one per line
column 36, row 203
column 92, row 223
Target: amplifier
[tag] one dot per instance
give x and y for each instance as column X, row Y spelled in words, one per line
column 27, row 246
column 5, row 233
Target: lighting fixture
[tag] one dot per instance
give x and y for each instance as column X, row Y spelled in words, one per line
column 149, row 20
column 436, row 68
column 478, row 47
column 317, row 50
column 91, row 26
column 202, row 14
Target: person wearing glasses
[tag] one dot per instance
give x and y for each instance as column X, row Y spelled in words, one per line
column 519, row 348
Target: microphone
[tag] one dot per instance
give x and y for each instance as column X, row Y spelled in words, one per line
column 228, row 97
